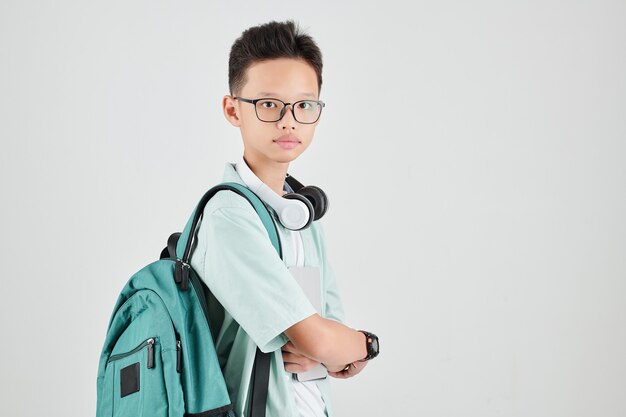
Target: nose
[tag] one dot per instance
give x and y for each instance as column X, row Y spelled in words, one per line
column 287, row 121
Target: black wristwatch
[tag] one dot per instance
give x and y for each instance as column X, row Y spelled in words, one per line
column 371, row 343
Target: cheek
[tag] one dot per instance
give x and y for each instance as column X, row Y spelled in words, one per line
column 307, row 136
column 257, row 131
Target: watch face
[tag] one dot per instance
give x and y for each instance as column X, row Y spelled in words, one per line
column 375, row 344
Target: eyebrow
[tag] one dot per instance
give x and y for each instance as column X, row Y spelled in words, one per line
column 271, row 94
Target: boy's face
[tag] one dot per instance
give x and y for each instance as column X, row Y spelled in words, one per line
column 289, row 80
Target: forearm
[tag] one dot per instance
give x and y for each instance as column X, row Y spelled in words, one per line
column 330, row 343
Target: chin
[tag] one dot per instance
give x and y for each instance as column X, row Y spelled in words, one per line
column 285, row 158
column 286, row 155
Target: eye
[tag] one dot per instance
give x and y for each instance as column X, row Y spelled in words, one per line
column 305, row 105
column 268, row 104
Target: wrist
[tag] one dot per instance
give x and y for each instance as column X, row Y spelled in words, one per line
column 364, row 352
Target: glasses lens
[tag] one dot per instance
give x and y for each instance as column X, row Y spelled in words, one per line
column 307, row 111
column 268, row 110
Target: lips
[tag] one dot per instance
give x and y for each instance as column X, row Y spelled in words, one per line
column 287, row 142
column 287, row 139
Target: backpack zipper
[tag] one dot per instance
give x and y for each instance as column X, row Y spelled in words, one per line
column 150, row 353
column 149, row 342
column 179, row 356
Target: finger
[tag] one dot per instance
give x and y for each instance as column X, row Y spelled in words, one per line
column 289, row 347
column 303, row 361
column 356, row 367
column 340, row 374
column 350, row 371
column 289, row 357
column 297, row 357
column 294, row 357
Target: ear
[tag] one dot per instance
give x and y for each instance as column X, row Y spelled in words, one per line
column 231, row 110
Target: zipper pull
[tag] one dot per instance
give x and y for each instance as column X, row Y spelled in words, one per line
column 181, row 274
column 150, row 353
column 179, row 356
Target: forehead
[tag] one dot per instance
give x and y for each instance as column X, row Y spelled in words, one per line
column 281, row 78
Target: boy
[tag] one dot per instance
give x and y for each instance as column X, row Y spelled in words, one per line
column 256, row 301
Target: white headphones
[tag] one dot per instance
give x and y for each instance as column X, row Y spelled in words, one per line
column 297, row 210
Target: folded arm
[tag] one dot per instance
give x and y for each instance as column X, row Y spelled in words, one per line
column 327, row 341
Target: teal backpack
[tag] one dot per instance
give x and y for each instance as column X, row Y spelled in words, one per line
column 159, row 355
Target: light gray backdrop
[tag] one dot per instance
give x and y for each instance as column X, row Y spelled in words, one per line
column 473, row 153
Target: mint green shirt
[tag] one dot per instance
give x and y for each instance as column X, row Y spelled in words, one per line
column 257, row 297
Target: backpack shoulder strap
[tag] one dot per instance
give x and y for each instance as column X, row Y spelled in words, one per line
column 261, row 367
column 188, row 236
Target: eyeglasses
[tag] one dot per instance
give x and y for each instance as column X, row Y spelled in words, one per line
column 272, row 109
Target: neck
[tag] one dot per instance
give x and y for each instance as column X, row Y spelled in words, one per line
column 271, row 173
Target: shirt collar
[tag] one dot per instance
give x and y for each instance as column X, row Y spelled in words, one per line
column 231, row 175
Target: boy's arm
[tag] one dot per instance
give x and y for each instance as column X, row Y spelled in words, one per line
column 327, row 341
column 239, row 264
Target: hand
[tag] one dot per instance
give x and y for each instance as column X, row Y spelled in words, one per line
column 296, row 361
column 348, row 372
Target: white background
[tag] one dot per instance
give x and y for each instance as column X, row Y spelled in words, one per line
column 473, row 153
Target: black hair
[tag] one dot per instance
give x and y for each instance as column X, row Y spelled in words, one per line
column 269, row 41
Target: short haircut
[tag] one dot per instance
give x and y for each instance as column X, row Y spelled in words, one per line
column 270, row 41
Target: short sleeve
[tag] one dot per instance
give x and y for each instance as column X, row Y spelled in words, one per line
column 334, row 304
column 244, row 272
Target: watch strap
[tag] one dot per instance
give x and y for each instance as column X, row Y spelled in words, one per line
column 369, row 339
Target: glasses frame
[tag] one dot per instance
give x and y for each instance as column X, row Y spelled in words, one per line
column 283, row 110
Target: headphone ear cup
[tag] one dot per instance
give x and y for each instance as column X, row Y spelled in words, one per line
column 317, row 197
column 296, row 196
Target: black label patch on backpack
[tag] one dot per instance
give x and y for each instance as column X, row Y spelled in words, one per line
column 129, row 379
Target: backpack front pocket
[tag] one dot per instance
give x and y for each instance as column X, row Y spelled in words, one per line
column 136, row 379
